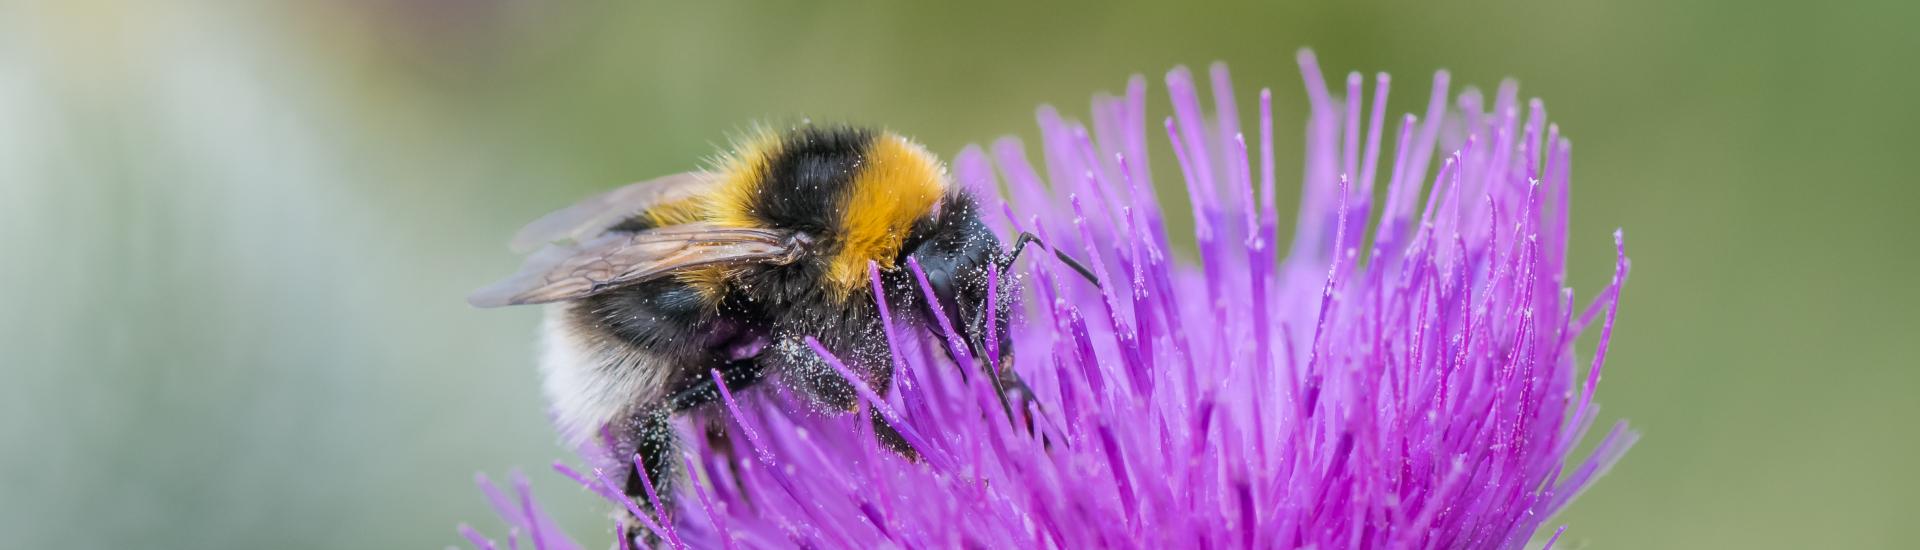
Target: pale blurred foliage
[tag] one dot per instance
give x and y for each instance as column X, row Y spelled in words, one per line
column 235, row 236
column 232, row 318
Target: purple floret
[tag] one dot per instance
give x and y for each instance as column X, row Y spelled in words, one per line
column 1404, row 376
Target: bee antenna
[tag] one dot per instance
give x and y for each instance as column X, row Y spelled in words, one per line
column 1020, row 244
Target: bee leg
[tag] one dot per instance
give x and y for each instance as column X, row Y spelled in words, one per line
column 1012, row 387
column 1011, row 390
column 891, row 438
column 738, row 375
column 720, row 444
column 1010, row 383
column 827, row 388
column 700, row 390
column 654, row 448
column 881, row 380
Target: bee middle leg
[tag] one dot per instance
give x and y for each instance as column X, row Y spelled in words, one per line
column 827, row 388
column 701, row 390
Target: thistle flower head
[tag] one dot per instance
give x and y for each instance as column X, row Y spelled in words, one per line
column 1403, row 376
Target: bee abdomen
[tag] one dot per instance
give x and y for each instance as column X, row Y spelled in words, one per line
column 592, row 380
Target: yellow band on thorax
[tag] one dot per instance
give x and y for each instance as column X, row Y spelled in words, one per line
column 899, row 183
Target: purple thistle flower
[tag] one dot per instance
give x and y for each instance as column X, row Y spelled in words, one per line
column 1404, row 377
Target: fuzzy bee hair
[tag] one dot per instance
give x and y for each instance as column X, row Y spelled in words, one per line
column 656, row 286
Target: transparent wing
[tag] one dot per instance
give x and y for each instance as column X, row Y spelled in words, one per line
column 593, row 216
column 571, row 271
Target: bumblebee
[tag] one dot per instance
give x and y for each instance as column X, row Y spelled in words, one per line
column 653, row 286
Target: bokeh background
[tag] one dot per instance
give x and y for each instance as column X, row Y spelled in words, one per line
column 235, row 236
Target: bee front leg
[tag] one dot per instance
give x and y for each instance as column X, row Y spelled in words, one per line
column 829, row 389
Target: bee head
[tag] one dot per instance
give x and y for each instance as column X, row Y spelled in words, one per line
column 955, row 252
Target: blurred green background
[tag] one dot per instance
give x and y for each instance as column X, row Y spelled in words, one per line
column 235, row 236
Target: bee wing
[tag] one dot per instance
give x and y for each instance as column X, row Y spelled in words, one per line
column 594, row 215
column 569, row 271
